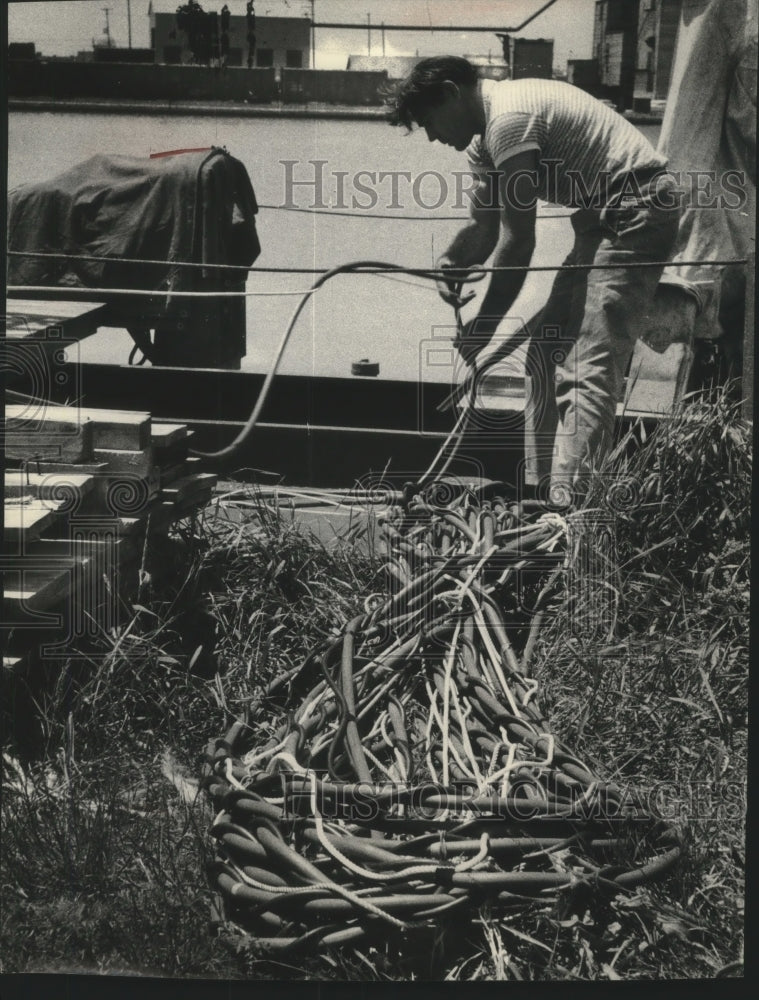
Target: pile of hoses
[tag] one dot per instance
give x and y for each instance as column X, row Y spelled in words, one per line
column 412, row 778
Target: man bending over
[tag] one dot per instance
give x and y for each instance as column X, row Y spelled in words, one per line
column 544, row 139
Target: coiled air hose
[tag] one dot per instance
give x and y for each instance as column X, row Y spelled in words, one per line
column 413, row 777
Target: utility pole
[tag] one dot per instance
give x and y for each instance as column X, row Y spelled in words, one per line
column 383, row 39
column 369, row 32
column 313, row 34
column 129, row 21
column 107, row 32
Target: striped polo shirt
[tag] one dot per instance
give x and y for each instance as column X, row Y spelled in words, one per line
column 585, row 148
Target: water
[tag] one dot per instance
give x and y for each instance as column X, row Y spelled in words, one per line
column 403, row 326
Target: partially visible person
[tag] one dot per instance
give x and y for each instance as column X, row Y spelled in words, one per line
column 224, row 40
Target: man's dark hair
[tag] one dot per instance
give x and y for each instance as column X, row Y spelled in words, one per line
column 423, row 87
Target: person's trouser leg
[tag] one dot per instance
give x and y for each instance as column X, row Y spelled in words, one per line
column 554, row 330
column 590, row 380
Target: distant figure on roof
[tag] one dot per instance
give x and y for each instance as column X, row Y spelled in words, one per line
column 224, row 40
column 250, row 18
column 196, row 24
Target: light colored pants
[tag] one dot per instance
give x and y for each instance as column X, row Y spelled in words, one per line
column 583, row 340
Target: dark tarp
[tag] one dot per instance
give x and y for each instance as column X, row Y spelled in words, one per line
column 195, row 206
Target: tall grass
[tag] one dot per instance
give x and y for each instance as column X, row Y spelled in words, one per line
column 642, row 665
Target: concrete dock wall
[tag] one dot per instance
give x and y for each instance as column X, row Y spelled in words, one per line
column 67, row 80
column 299, row 86
column 63, row 80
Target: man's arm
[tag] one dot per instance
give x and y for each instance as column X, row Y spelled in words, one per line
column 476, row 241
column 518, row 199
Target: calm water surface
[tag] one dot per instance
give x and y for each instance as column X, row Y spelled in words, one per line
column 403, row 325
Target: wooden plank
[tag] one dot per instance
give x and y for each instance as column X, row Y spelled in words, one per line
column 63, row 550
column 32, row 319
column 170, row 442
column 48, row 444
column 46, row 486
column 103, row 476
column 170, row 473
column 53, row 569
column 137, row 472
column 175, row 509
column 25, row 519
column 110, row 428
column 33, row 417
column 38, row 589
column 167, row 435
column 139, row 462
column 189, row 486
column 656, row 381
column 119, row 428
column 94, row 469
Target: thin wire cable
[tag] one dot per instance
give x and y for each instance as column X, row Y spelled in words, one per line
column 101, row 259
column 404, row 281
column 367, row 215
column 377, row 270
column 153, row 293
column 403, row 218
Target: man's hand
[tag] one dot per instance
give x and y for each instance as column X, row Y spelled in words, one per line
column 449, row 288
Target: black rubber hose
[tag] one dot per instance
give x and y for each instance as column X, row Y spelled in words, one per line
column 352, row 737
column 355, row 266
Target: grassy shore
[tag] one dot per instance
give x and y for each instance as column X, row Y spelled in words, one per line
column 104, row 836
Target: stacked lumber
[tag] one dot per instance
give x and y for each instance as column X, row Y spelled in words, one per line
column 86, row 492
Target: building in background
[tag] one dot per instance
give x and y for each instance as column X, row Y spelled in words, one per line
column 657, row 34
column 633, row 46
column 490, row 67
column 527, row 57
column 397, row 67
column 280, row 41
column 22, row 50
column 584, row 73
column 615, row 48
column 118, row 54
